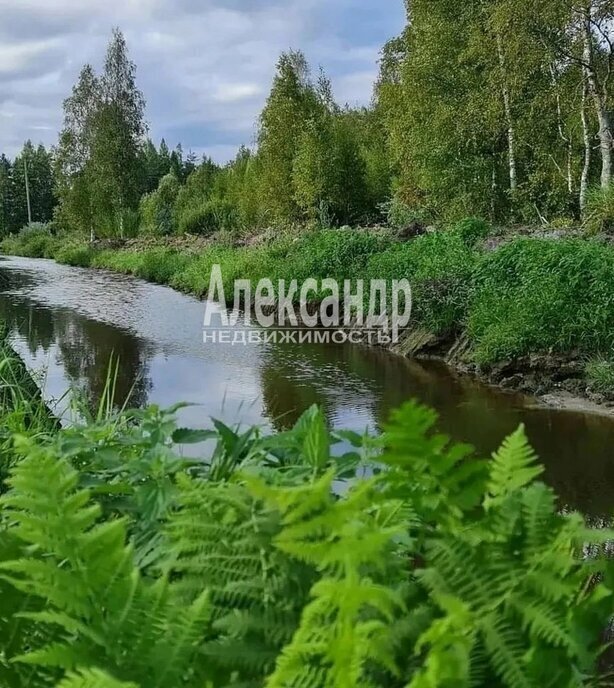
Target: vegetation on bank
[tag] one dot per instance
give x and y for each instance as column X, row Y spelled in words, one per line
column 528, row 295
column 125, row 565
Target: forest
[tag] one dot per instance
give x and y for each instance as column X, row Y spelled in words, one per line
column 500, row 110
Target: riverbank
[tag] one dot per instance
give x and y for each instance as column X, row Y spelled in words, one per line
column 532, row 313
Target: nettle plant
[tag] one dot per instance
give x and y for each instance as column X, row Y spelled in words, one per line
column 281, row 562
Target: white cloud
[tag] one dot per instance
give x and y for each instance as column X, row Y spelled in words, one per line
column 205, row 66
column 230, row 93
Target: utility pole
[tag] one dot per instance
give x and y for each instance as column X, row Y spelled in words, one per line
column 25, row 170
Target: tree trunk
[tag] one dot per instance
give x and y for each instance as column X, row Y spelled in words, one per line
column 511, row 134
column 566, row 139
column 599, row 99
column 605, row 146
column 587, row 147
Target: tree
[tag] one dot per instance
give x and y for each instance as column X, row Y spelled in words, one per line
column 5, row 195
column 158, row 207
column 290, row 105
column 72, row 175
column 100, row 162
column 38, row 163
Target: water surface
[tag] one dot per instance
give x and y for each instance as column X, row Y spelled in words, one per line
column 68, row 322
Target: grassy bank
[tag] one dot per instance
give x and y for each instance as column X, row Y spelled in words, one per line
column 528, row 296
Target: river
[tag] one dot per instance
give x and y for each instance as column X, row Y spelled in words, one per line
column 66, row 323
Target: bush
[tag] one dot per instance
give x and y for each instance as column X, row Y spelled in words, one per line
column 33, row 241
column 439, row 267
column 471, row 230
column 600, row 375
column 599, row 211
column 336, row 253
column 399, row 215
column 208, row 218
column 157, row 213
column 78, row 255
column 34, row 229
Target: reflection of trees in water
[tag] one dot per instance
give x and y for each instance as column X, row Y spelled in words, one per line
column 86, row 347
column 294, row 377
column 575, row 448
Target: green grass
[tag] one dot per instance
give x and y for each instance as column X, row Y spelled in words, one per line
column 538, row 296
column 600, row 375
column 440, row 269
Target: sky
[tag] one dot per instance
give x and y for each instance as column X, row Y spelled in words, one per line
column 205, row 66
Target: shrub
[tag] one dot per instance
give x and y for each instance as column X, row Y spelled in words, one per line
column 34, row 241
column 337, row 253
column 600, row 375
column 79, row 255
column 439, row 267
column 599, row 211
column 472, row 230
column 157, row 208
column 34, row 229
column 210, row 217
column 399, row 215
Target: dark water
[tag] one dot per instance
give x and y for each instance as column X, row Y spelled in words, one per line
column 68, row 322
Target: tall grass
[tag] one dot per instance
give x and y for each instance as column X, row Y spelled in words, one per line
column 538, row 296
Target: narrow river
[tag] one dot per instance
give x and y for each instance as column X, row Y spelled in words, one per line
column 68, row 322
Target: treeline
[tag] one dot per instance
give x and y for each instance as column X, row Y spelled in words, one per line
column 498, row 109
column 36, row 164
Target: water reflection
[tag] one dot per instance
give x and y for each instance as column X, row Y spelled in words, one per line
column 71, row 321
column 84, row 348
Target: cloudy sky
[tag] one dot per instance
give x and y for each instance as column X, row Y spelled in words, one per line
column 205, row 66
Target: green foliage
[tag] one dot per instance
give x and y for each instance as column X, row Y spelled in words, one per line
column 123, row 564
column 471, row 230
column 158, row 207
column 33, row 241
column 599, row 212
column 93, row 678
column 600, row 375
column 399, row 215
column 160, row 265
column 536, row 295
column 440, row 268
column 214, row 215
column 79, row 255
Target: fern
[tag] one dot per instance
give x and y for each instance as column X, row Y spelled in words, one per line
column 513, row 467
column 515, row 574
column 98, row 609
column 222, row 536
column 93, row 678
column 441, row 480
column 122, row 564
column 345, row 631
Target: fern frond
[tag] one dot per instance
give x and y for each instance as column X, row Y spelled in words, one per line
column 93, row 678
column 513, row 467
